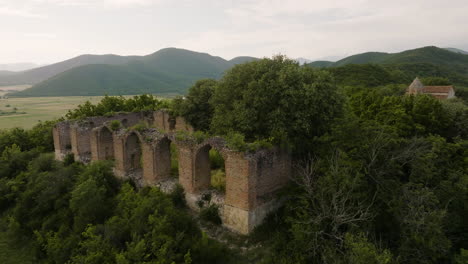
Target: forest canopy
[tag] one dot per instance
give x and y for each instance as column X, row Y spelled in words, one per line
column 379, row 176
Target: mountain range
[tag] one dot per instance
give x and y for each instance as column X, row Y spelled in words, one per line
column 168, row 70
column 173, row 71
column 16, row 67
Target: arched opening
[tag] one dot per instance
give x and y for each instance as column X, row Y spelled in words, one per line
column 106, row 144
column 218, row 171
column 174, row 160
column 209, row 170
column 133, row 150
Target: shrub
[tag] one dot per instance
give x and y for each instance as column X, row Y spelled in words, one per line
column 139, row 127
column 68, row 159
column 218, row 180
column 178, row 196
column 200, row 136
column 216, row 160
column 115, row 125
column 211, row 214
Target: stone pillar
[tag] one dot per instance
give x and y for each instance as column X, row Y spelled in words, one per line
column 186, row 167
column 119, row 156
column 129, row 162
column 81, row 142
column 62, row 140
column 252, row 184
column 162, row 121
column 102, row 144
column 240, row 192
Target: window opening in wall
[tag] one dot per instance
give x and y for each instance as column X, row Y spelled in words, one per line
column 174, row 161
column 218, row 171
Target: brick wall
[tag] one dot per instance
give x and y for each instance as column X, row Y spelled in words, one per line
column 252, row 179
column 62, row 140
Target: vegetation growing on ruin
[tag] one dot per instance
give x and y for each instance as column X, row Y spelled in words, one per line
column 110, row 105
column 379, row 177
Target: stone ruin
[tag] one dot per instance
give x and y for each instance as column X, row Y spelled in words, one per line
column 144, row 155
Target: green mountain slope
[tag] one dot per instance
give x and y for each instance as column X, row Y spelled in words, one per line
column 368, row 57
column 242, row 59
column 457, row 50
column 166, row 71
column 321, row 64
column 376, row 68
column 40, row 74
column 429, row 54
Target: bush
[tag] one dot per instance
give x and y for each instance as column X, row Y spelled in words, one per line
column 178, row 196
column 115, row 125
column 211, row 214
column 218, row 180
column 216, row 160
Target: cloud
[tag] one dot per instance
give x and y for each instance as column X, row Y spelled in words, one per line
column 315, row 29
column 102, row 3
column 19, row 12
column 40, row 35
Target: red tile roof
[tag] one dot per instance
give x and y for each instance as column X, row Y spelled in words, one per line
column 437, row 89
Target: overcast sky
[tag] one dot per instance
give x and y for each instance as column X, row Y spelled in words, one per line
column 46, row 31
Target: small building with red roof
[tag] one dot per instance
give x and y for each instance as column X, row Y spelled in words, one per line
column 439, row 92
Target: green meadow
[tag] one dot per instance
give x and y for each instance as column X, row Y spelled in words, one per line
column 36, row 109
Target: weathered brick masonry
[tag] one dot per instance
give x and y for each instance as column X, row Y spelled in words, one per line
column 252, row 179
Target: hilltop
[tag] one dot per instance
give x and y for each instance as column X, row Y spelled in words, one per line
column 173, row 71
column 403, row 66
column 168, row 70
column 43, row 73
column 428, row 54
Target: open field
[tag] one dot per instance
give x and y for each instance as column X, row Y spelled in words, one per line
column 8, row 89
column 38, row 108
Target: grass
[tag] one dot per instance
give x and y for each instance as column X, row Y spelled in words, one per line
column 38, row 108
column 13, row 88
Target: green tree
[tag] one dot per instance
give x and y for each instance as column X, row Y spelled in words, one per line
column 275, row 99
column 196, row 107
column 435, row 81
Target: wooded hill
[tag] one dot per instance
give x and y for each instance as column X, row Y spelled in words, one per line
column 402, row 67
column 173, row 71
column 168, row 70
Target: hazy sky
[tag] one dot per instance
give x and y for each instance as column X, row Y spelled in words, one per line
column 46, row 31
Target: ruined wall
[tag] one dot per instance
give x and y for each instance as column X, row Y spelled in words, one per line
column 102, row 144
column 185, row 157
column 163, row 121
column 80, row 134
column 62, row 140
column 251, row 184
column 252, row 179
column 182, row 125
column 273, row 172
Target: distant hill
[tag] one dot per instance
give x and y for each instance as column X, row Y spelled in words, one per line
column 457, row 50
column 169, row 70
column 6, row 73
column 15, row 67
column 429, row 54
column 174, row 70
column 402, row 66
column 40, row 74
column 321, row 64
column 242, row 59
column 303, row 61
